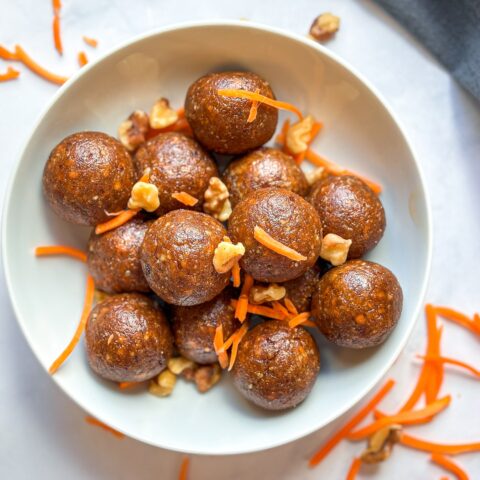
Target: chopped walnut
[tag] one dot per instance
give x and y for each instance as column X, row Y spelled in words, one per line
column 132, row 131
column 144, row 195
column 162, row 115
column 266, row 293
column 178, row 364
column 315, row 175
column 216, row 202
column 226, row 254
column 324, row 27
column 189, row 373
column 335, row 249
column 164, row 384
column 381, row 443
column 298, row 135
column 207, row 376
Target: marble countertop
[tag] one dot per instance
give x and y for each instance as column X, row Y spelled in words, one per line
column 43, row 433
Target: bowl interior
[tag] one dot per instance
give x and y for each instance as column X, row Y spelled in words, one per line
column 359, row 133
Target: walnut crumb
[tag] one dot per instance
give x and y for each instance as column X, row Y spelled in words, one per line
column 144, row 195
column 324, row 27
column 163, row 385
column 266, row 293
column 132, row 132
column 217, row 202
column 335, row 249
column 226, row 254
column 178, row 364
column 207, row 376
column 162, row 115
column 381, row 443
column 316, row 175
column 298, row 135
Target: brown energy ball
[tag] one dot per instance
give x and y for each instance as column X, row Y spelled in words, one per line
column 194, row 327
column 128, row 338
column 264, row 167
column 286, row 217
column 300, row 289
column 348, row 207
column 357, row 304
column 220, row 123
column 178, row 164
column 87, row 175
column 113, row 258
column 276, row 365
column 177, row 257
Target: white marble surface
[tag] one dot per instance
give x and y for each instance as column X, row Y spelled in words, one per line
column 43, row 434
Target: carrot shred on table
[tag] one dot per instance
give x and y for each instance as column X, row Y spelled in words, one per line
column 185, row 198
column 412, row 417
column 252, row 115
column 449, row 465
column 459, row 318
column 441, row 448
column 236, row 274
column 239, row 334
column 450, row 361
column 82, row 58
column 331, row 443
column 183, row 474
column 92, row 42
column 234, row 93
column 122, row 218
column 334, row 169
column 218, row 346
column 10, row 74
column 261, row 236
column 57, row 38
column 7, row 54
column 98, row 423
column 299, row 319
column 48, row 250
column 435, row 378
column 292, row 309
column 354, row 469
column 241, row 308
column 261, row 310
column 87, row 306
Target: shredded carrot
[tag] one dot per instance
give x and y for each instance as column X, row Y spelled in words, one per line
column 309, row 323
column 261, row 236
column 57, row 38
column 82, row 59
column 218, row 346
column 300, row 157
column 241, row 308
column 125, row 385
column 185, row 198
column 98, row 423
column 354, row 469
column 92, row 42
column 261, row 310
column 10, row 74
column 443, row 449
column 87, row 306
column 412, row 417
column 60, row 250
column 280, row 309
column 435, row 378
column 449, row 465
column 7, row 54
column 122, row 218
column 239, row 334
column 299, row 319
column 183, row 475
column 334, row 169
column 280, row 138
column 181, row 112
column 253, row 110
column 234, row 93
column 458, row 317
column 57, row 5
column 236, row 274
column 292, row 309
column 450, row 361
column 351, row 424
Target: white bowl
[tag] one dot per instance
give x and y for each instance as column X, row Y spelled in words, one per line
column 360, row 132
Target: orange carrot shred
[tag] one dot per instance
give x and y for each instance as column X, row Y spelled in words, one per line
column 354, row 469
column 309, row 323
column 122, row 218
column 236, row 274
column 57, row 39
column 90, row 291
column 262, row 310
column 299, row 319
column 218, row 346
column 280, row 138
column 290, row 306
column 233, row 93
column 459, row 318
column 450, row 361
column 435, row 378
column 261, row 236
column 98, row 423
column 239, row 334
column 7, row 54
column 241, row 308
column 253, row 110
column 92, row 42
column 351, row 424
column 82, row 59
column 126, row 385
column 57, row 5
column 412, row 417
column 60, row 250
column 441, row 448
column 185, row 198
column 449, row 465
column 10, row 74
column 280, row 308
column 183, row 475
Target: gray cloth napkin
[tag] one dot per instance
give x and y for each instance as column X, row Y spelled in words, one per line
column 450, row 29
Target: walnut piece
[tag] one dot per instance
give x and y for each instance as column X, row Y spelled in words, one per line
column 132, row 131
column 207, row 376
column 226, row 254
column 178, row 364
column 216, row 202
column 315, row 175
column 144, row 195
column 381, row 443
column 298, row 135
column 335, row 249
column 164, row 384
column 266, row 293
column 162, row 115
column 324, row 27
